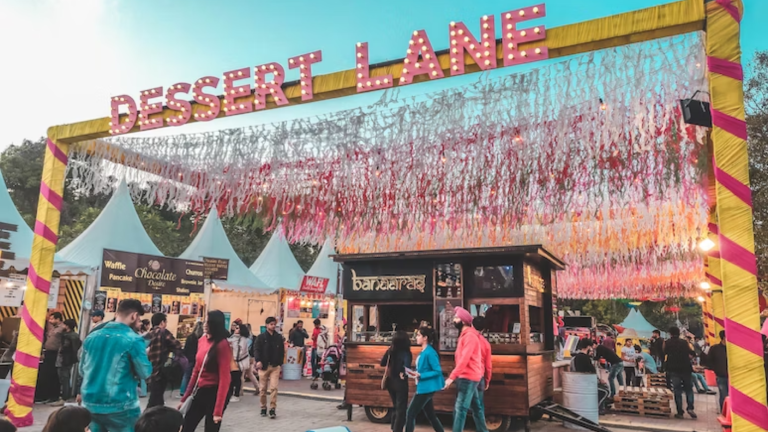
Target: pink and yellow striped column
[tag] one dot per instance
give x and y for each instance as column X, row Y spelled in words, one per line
column 33, row 313
column 734, row 211
column 717, row 310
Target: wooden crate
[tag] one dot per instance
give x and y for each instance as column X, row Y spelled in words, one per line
column 652, row 393
column 649, row 402
column 658, row 380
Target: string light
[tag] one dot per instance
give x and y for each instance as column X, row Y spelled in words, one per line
column 706, row 245
column 705, row 285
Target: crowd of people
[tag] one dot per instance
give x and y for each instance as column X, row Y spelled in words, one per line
column 129, row 357
column 472, row 375
column 683, row 359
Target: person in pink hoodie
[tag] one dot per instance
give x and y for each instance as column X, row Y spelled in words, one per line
column 469, row 371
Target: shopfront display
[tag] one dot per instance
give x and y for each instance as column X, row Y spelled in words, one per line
column 511, row 287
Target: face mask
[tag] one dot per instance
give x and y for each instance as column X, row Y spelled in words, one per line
column 459, row 325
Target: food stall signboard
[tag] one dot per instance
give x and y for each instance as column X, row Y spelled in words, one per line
column 314, row 284
column 216, row 268
column 139, row 273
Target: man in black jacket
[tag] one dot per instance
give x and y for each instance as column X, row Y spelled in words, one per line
column 616, row 366
column 269, row 351
column 680, row 370
column 657, row 349
column 717, row 361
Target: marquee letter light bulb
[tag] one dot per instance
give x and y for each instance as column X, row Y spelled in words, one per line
column 115, row 127
column 363, row 72
column 269, row 87
column 237, row 99
column 304, row 63
column 706, row 245
column 513, row 36
column 182, row 108
column 210, row 103
column 485, row 58
column 149, row 109
column 413, row 68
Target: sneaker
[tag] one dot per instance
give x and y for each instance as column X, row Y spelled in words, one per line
column 234, row 399
column 679, row 416
column 711, row 392
column 263, row 412
column 58, row 403
column 692, row 414
column 272, row 414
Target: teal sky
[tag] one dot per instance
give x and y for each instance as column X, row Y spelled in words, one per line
column 63, row 59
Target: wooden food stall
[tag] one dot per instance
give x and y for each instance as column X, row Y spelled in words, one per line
column 510, row 286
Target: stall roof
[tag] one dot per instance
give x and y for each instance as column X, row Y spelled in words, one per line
column 637, row 322
column 118, row 227
column 21, row 240
column 531, row 250
column 276, row 265
column 325, row 267
column 212, row 242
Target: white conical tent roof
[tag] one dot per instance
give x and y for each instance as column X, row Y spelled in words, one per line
column 212, row 242
column 21, row 240
column 325, row 267
column 276, row 265
column 118, row 227
column 637, row 322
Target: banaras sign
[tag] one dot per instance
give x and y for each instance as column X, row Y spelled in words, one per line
column 420, row 59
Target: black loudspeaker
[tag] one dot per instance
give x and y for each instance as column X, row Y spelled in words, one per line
column 696, row 112
column 579, row 321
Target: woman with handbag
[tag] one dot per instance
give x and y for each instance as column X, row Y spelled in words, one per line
column 209, row 388
column 395, row 381
column 241, row 360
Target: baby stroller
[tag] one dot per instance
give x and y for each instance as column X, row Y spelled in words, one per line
column 328, row 369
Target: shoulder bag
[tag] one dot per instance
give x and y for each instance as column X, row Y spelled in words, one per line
column 188, row 403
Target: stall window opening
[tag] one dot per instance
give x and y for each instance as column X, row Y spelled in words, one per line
column 377, row 323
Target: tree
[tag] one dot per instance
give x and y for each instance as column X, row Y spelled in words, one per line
column 756, row 105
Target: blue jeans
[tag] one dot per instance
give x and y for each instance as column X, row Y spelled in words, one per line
column 616, row 372
column 115, row 422
column 478, row 407
column 185, row 379
column 722, row 390
column 466, row 395
column 700, row 382
column 682, row 383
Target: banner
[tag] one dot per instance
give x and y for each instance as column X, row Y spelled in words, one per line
column 12, row 290
column 139, row 273
column 314, row 284
column 216, row 268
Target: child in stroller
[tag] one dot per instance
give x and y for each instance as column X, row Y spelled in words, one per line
column 329, row 368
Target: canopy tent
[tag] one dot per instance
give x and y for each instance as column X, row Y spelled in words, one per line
column 212, row 242
column 636, row 321
column 118, row 227
column 276, row 265
column 325, row 267
column 21, row 240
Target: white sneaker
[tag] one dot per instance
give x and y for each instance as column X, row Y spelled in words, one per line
column 234, row 399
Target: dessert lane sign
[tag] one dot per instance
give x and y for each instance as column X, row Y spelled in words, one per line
column 246, row 89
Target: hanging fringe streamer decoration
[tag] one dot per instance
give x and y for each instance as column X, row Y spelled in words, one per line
column 589, row 157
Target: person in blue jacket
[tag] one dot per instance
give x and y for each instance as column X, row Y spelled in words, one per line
column 429, row 379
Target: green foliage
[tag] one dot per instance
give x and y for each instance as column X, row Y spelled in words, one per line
column 756, row 100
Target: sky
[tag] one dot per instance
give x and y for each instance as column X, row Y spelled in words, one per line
column 62, row 60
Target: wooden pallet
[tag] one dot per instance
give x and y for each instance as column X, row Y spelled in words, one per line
column 644, row 413
column 636, row 393
column 658, row 380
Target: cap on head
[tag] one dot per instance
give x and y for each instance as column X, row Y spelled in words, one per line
column 97, row 313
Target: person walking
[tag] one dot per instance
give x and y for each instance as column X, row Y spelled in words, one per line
column 161, row 345
column 680, row 370
column 657, row 350
column 616, row 366
column 249, row 371
column 717, row 361
column 242, row 361
column 429, row 379
column 397, row 358
column 628, row 357
column 269, row 350
column 113, row 361
column 582, row 363
column 48, row 389
column 210, row 384
column 70, row 345
column 190, row 352
column 319, row 344
column 469, row 370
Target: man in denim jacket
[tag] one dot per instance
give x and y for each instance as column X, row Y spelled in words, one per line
column 113, row 361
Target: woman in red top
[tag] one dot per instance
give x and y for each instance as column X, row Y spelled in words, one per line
column 213, row 384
